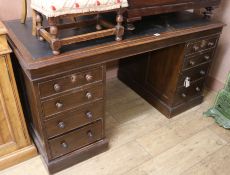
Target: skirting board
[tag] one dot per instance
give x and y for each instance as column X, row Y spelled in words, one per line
column 17, row 156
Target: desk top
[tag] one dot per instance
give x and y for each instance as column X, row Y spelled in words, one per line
column 34, row 54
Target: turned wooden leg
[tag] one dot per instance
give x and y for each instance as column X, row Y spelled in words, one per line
column 208, row 12
column 39, row 20
column 54, row 35
column 130, row 26
column 34, row 23
column 98, row 26
column 119, row 27
column 24, row 11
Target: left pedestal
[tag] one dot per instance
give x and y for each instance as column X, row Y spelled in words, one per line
column 15, row 144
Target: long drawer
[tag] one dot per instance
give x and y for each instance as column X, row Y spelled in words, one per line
column 71, row 100
column 185, row 94
column 68, row 121
column 76, row 139
column 70, row 82
column 200, row 45
column 200, row 58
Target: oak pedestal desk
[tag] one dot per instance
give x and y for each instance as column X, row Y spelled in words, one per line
column 166, row 62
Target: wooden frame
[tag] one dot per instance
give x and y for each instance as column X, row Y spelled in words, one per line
column 50, row 33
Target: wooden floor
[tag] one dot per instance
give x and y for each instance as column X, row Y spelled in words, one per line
column 144, row 142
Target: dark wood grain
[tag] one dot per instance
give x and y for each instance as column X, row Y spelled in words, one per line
column 154, row 66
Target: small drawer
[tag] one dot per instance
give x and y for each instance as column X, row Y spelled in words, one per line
column 193, row 74
column 72, row 100
column 198, row 59
column 71, row 120
column 200, row 45
column 76, row 139
column 69, row 82
column 185, row 94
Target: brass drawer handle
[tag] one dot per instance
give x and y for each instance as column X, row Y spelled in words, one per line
column 207, row 57
column 197, row 89
column 89, row 95
column 195, row 48
column 192, row 63
column 211, row 44
column 64, row 144
column 59, row 105
column 89, row 115
column 57, row 87
column 88, row 77
column 90, row 134
column 183, row 95
column 61, row 125
column 202, row 72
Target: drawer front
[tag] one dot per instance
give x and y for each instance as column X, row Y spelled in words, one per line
column 69, row 82
column 185, row 94
column 71, row 120
column 193, row 74
column 200, row 45
column 198, row 59
column 72, row 100
column 76, row 139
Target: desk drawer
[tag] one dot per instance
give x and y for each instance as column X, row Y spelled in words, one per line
column 76, row 139
column 71, row 120
column 193, row 74
column 198, row 59
column 200, row 45
column 72, row 100
column 185, row 94
column 69, row 82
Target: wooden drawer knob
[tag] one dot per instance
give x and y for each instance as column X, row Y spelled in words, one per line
column 59, row 105
column 64, row 144
column 183, row 95
column 89, row 115
column 211, row 44
column 90, row 134
column 89, row 77
column 192, row 63
column 89, row 95
column 207, row 57
column 195, row 48
column 73, row 78
column 202, row 72
column 197, row 89
column 57, row 87
column 61, row 125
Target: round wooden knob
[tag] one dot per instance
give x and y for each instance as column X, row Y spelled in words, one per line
column 64, row 144
column 61, row 125
column 89, row 115
column 192, row 63
column 183, row 95
column 211, row 44
column 90, row 134
column 73, row 78
column 57, row 87
column 207, row 57
column 197, row 89
column 89, row 95
column 59, row 105
column 202, row 72
column 195, row 48
column 89, row 77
